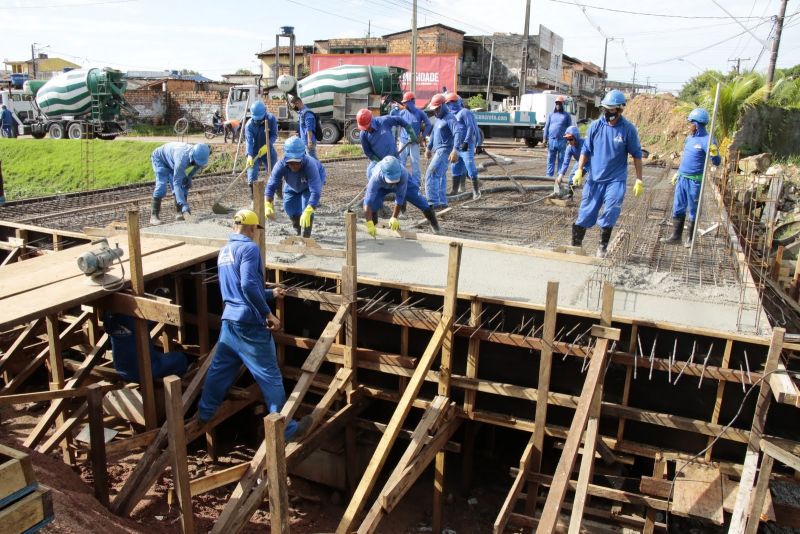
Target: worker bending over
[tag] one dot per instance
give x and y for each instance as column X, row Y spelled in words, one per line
column 303, row 178
column 419, row 122
column 170, row 162
column 260, row 148
column 464, row 142
column 377, row 139
column 440, row 150
column 609, row 140
column 554, row 129
column 563, row 187
column 688, row 179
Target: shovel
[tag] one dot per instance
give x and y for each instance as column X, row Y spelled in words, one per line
column 218, row 208
column 516, row 183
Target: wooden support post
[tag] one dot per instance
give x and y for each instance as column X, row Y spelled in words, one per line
column 775, row 268
column 402, row 381
column 97, row 443
column 177, row 450
column 16, row 347
column 280, row 313
column 142, row 331
column 659, row 472
column 258, row 207
column 471, row 429
column 626, row 389
column 726, row 358
column 742, row 506
column 203, row 341
column 56, row 364
column 22, row 235
column 762, row 487
column 276, row 473
column 58, row 243
column 796, row 279
column 349, row 295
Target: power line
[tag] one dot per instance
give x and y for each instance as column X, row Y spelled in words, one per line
column 47, row 6
column 360, row 21
column 587, row 6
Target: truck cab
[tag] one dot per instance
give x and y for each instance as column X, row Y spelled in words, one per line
column 544, row 103
column 240, row 97
column 21, row 106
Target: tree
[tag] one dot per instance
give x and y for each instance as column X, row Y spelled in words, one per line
column 189, row 72
column 244, row 72
column 694, row 88
column 476, row 102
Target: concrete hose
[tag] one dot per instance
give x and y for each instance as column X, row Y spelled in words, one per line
column 500, row 189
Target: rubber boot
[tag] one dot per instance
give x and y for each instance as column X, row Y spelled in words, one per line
column 307, row 229
column 577, row 235
column 455, row 186
column 476, row 189
column 677, row 231
column 179, row 212
column 605, row 237
column 689, row 234
column 155, row 212
column 431, row 216
column 296, row 224
column 462, row 185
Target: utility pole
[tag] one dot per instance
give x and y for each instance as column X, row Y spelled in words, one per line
column 633, row 81
column 33, row 60
column 524, row 70
column 738, row 61
column 414, row 47
column 776, row 43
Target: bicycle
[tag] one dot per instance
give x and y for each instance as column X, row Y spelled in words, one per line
column 186, row 122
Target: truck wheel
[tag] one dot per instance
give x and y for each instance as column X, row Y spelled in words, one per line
column 530, row 142
column 330, row 133
column 56, row 131
column 353, row 134
column 74, row 130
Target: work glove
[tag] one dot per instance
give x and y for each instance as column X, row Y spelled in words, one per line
column 412, row 137
column 453, row 157
column 187, row 182
column 371, row 230
column 269, row 210
column 262, row 151
column 394, row 224
column 305, row 218
column 674, row 180
column 577, row 180
column 427, row 153
column 638, row 188
column 714, row 151
column 464, row 147
column 559, row 178
column 249, row 161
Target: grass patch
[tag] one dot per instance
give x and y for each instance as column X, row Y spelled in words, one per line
column 148, row 130
column 342, row 150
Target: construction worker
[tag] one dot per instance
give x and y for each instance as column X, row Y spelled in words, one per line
column 247, row 324
column 170, row 162
column 563, row 187
column 303, row 178
column 608, row 142
column 9, row 129
column 255, row 135
column 306, row 125
column 690, row 174
column 230, row 127
column 420, row 123
column 439, row 151
column 464, row 143
column 388, row 176
column 216, row 121
column 377, row 139
column 554, row 129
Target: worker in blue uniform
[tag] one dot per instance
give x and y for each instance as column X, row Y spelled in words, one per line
column 377, row 139
column 420, row 123
column 170, row 162
column 690, row 175
column 440, row 150
column 247, row 325
column 260, row 147
column 388, row 176
column 464, row 144
column 554, row 129
column 563, row 186
column 306, row 126
column 302, row 177
column 609, row 141
column 9, row 129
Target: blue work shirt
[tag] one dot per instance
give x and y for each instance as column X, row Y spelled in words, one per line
column 307, row 177
column 306, row 123
column 443, row 133
column 176, row 157
column 255, row 134
column 466, row 120
column 574, row 151
column 7, row 119
column 378, row 188
column 241, row 282
column 608, row 147
column 694, row 153
column 416, row 118
column 379, row 143
column 556, row 124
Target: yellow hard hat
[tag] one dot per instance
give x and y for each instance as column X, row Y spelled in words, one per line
column 246, row 217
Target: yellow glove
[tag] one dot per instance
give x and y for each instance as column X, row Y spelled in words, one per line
column 262, row 151
column 674, row 180
column 305, row 218
column 371, row 230
column 714, row 151
column 577, row 180
column 394, row 224
column 638, row 188
column 269, row 210
column 249, row 161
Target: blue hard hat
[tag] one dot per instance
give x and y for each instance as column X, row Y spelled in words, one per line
column 699, row 115
column 613, row 98
column 258, row 110
column 200, row 154
column 390, row 169
column 294, row 149
column 573, row 131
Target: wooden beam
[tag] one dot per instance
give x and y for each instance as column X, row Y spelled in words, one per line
column 63, row 430
column 762, row 487
column 143, row 307
column 177, row 450
column 41, row 396
column 783, row 456
column 276, row 473
column 726, row 358
column 97, row 443
column 659, row 472
column 18, row 344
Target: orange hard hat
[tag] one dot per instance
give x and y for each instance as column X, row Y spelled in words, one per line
column 408, row 96
column 363, row 119
column 561, row 98
column 452, row 97
column 436, row 101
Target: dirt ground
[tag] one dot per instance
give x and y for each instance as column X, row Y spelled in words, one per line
column 662, row 125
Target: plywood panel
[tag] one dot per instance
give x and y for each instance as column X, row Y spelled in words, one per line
column 698, row 492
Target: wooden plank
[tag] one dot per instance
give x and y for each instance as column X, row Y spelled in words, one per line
column 28, row 512
column 143, row 307
column 760, row 494
column 473, row 353
column 586, row 468
column 97, row 443
column 729, row 491
column 783, row 456
column 16, row 471
column 18, row 344
column 276, row 473
column 126, row 404
column 698, row 492
column 607, row 493
column 783, row 387
column 659, row 472
column 726, row 358
column 63, row 430
column 613, row 334
column 56, row 369
column 177, row 449
column 40, row 396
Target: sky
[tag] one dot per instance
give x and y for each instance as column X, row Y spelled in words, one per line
column 669, row 41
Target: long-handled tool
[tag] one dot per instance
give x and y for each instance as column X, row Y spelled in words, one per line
column 516, row 183
column 358, row 196
column 218, row 208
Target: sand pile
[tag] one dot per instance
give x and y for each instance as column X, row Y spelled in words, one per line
column 662, row 127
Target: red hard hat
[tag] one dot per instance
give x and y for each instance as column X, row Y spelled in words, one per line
column 363, row 119
column 452, row 97
column 436, row 101
column 408, row 96
column 560, row 99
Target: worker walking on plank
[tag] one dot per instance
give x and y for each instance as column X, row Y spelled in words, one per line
column 563, row 187
column 170, row 162
column 306, row 126
column 464, row 142
column 439, row 151
column 420, row 123
column 377, row 139
column 388, row 176
column 303, row 178
column 247, row 324
column 609, row 140
column 690, row 174
column 554, row 129
column 255, row 134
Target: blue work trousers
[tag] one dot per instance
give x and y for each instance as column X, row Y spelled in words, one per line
column 412, row 152
column 608, row 195
column 412, row 195
column 436, row 178
column 556, row 149
column 251, row 345
column 164, row 178
column 294, row 202
column 312, row 151
column 252, row 172
column 465, row 163
column 687, row 193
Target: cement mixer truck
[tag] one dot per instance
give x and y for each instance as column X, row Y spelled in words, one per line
column 336, row 95
column 76, row 101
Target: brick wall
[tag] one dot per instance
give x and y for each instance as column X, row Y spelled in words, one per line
column 199, row 104
column 429, row 41
column 151, row 105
